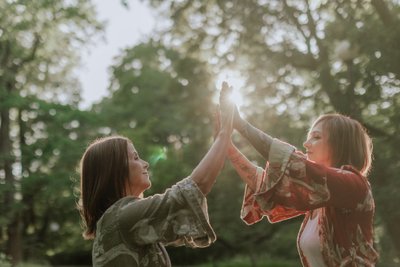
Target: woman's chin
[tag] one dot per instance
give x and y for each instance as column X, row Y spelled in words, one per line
column 148, row 185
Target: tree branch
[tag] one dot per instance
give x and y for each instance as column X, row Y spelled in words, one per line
column 32, row 54
column 383, row 12
column 290, row 11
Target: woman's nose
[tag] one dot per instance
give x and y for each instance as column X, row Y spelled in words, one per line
column 306, row 144
column 146, row 164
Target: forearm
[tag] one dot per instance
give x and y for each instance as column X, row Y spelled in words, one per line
column 244, row 167
column 257, row 138
column 205, row 173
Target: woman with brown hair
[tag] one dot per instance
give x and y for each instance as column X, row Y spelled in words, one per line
column 328, row 185
column 129, row 230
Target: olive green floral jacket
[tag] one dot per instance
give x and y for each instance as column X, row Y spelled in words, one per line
column 134, row 231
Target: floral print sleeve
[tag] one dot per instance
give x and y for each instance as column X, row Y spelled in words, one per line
column 177, row 217
column 133, row 232
column 292, row 185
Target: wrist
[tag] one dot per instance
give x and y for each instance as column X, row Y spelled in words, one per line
column 224, row 133
column 231, row 151
column 233, row 154
column 240, row 124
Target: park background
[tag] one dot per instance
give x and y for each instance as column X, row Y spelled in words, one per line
column 288, row 60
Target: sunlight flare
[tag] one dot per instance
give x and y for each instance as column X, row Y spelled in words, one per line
column 236, row 97
column 237, row 82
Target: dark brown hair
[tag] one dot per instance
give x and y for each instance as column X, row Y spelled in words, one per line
column 348, row 140
column 103, row 170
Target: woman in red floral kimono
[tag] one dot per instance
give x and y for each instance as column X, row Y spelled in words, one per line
column 328, row 185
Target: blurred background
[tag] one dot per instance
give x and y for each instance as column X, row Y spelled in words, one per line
column 74, row 70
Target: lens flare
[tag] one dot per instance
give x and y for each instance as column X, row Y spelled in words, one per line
column 159, row 153
column 235, row 79
column 236, row 98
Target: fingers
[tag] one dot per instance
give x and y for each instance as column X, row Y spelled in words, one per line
column 224, row 96
column 226, row 90
column 225, row 87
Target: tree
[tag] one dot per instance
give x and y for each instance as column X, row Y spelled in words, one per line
column 38, row 48
column 54, row 139
column 302, row 58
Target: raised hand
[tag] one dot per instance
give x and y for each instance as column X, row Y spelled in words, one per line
column 226, row 107
column 224, row 101
column 226, row 104
column 206, row 171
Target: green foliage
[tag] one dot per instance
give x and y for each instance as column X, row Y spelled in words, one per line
column 41, row 139
column 4, row 261
column 54, row 138
column 39, row 44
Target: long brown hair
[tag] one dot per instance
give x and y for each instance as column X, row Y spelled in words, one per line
column 103, row 170
column 348, row 140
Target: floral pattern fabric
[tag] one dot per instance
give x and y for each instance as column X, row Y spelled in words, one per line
column 291, row 186
column 133, row 231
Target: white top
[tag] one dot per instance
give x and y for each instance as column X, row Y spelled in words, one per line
column 310, row 244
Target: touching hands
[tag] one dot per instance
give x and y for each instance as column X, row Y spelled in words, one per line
column 226, row 103
column 226, row 109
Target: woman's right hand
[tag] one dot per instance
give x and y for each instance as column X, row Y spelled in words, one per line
column 226, row 107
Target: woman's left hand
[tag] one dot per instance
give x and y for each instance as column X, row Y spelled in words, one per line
column 217, row 122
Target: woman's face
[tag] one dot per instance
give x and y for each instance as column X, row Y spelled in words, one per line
column 317, row 147
column 138, row 180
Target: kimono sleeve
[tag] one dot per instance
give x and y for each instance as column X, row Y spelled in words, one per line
column 253, row 206
column 296, row 184
column 177, row 217
column 293, row 185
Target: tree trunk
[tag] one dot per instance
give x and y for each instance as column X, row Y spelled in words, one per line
column 14, row 247
column 14, row 244
column 383, row 11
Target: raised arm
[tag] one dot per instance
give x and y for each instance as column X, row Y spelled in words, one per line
column 209, row 167
column 257, row 138
column 244, row 167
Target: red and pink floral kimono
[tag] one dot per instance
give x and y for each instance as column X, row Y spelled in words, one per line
column 291, row 186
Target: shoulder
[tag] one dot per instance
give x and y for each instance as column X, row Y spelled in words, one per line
column 348, row 178
column 110, row 215
column 347, row 175
column 354, row 174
